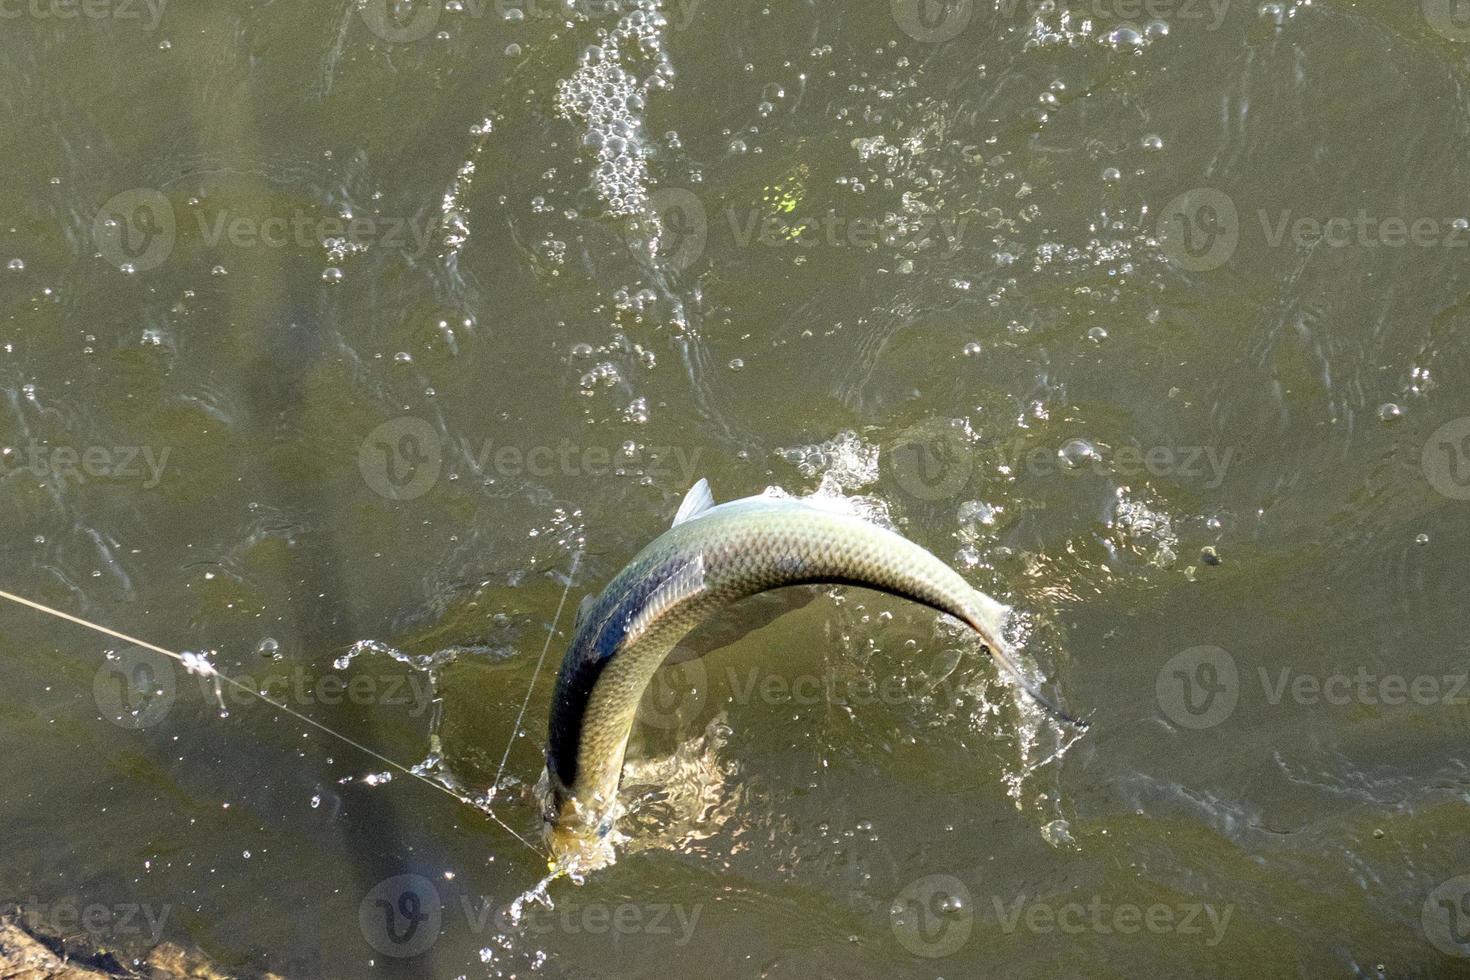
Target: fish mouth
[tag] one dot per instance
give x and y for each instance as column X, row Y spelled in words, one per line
column 579, row 837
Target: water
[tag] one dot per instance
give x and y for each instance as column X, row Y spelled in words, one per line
column 329, row 332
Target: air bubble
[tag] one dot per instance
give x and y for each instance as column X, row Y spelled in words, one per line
column 1077, row 452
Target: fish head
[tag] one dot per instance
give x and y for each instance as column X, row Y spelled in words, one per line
column 580, row 836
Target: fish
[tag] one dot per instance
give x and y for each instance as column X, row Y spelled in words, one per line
column 711, row 558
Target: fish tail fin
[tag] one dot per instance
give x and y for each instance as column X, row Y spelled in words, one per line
column 1004, row 658
column 991, row 635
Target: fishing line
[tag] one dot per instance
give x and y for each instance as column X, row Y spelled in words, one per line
column 516, row 730
column 196, row 664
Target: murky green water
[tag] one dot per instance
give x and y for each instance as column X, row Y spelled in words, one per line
column 324, row 325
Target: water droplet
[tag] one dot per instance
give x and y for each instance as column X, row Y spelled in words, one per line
column 972, row 349
column 332, row 274
column 736, row 364
column 1097, row 334
column 268, row 647
column 403, row 357
column 16, row 265
column 1152, row 142
column 1111, row 175
column 1388, row 411
column 1421, row 539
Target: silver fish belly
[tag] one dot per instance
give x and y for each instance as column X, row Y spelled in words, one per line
column 712, row 557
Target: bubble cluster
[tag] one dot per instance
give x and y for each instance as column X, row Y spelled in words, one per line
column 607, row 95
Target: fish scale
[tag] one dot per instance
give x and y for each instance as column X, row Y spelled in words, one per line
column 712, row 557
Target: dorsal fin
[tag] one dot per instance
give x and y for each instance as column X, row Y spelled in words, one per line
column 588, row 601
column 696, row 502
